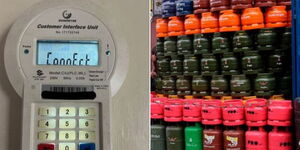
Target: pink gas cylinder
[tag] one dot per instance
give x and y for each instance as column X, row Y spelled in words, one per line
column 280, row 139
column 280, row 113
column 233, row 112
column 256, row 139
column 211, row 112
column 192, row 110
column 256, row 112
column 157, row 108
column 173, row 110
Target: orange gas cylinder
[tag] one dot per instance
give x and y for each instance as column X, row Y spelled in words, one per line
column 229, row 21
column 175, row 26
column 252, row 18
column 192, row 24
column 276, row 16
column 209, row 23
column 289, row 18
column 161, row 27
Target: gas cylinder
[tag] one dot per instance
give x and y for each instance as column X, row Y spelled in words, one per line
column 233, row 113
column 202, row 44
column 219, row 86
column 184, row 45
column 220, row 43
column 212, row 138
column 264, row 3
column 158, row 135
column 286, row 39
column 193, row 136
column 252, row 18
column 229, row 21
column 158, row 84
column 161, row 27
column 277, row 61
column 229, row 64
column 276, row 16
column 168, row 8
column 256, row 139
column 265, row 85
column 192, row 110
column 157, row 108
column 160, row 47
column 234, row 138
column 170, row 46
column 256, row 112
column 163, row 65
column 284, row 85
column 267, row 39
column 190, row 65
column 211, row 112
column 209, row 23
column 289, row 18
column 241, row 4
column 173, row 110
column 280, row 139
column 280, row 113
column 175, row 137
column 183, row 85
column 242, row 42
column 284, row 2
column 297, row 121
column 252, row 63
column 184, row 7
column 200, row 86
column 218, row 5
column 192, row 24
column 201, row 6
column 169, row 85
column 176, row 65
column 175, row 26
column 209, row 65
column 240, row 86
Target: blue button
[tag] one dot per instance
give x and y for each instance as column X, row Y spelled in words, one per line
column 87, row 146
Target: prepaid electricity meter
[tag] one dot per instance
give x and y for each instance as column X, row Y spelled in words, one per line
column 59, row 58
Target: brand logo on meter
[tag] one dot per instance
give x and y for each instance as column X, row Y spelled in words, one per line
column 66, row 14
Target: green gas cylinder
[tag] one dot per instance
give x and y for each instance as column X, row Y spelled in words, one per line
column 169, row 85
column 176, row 65
column 175, row 137
column 160, row 47
column 219, row 86
column 284, row 85
column 184, row 45
column 202, row 44
column 170, row 46
column 200, row 86
column 276, row 61
column 252, row 63
column 193, row 137
column 209, row 65
column 240, row 85
column 267, row 39
column 163, row 65
column 183, row 85
column 158, row 136
column 242, row 42
column 191, row 65
column 220, row 43
column 265, row 85
column 286, row 39
column 158, row 84
column 229, row 64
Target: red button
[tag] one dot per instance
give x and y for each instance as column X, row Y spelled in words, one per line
column 46, row 147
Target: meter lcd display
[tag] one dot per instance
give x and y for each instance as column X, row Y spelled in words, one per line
column 68, row 53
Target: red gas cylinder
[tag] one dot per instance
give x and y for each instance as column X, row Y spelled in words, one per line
column 256, row 139
column 280, row 113
column 192, row 110
column 264, row 3
column 173, row 110
column 256, row 112
column 233, row 113
column 161, row 27
column 157, row 108
column 284, row 2
column 211, row 112
column 218, row 5
column 175, row 26
column 280, row 139
column 212, row 138
column 192, row 24
column 201, row 6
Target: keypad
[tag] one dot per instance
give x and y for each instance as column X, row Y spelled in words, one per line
column 66, row 127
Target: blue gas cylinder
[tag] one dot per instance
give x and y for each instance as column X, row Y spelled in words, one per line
column 168, row 8
column 184, row 7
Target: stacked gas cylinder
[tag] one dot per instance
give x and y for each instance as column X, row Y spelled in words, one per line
column 255, row 124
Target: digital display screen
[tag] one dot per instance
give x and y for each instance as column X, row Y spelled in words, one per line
column 68, row 53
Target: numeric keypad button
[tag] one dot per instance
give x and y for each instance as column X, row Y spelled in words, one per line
column 67, row 112
column 67, row 146
column 87, row 123
column 67, row 135
column 86, row 111
column 87, row 135
column 47, row 111
column 47, row 124
column 46, row 135
column 67, row 123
